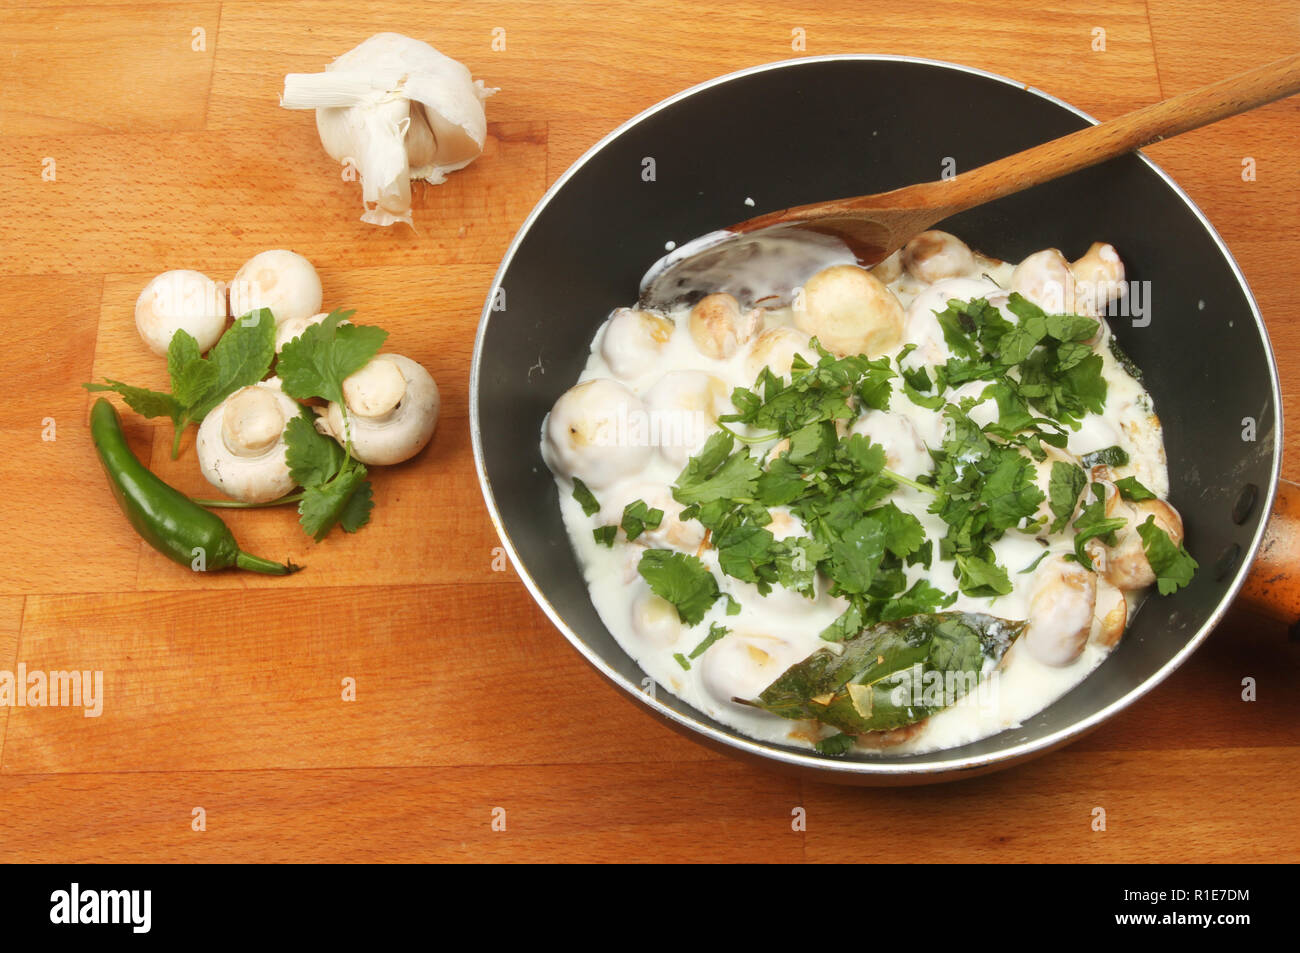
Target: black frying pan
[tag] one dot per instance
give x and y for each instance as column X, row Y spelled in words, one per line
column 795, row 132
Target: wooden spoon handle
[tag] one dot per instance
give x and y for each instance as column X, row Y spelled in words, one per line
column 1273, row 586
column 1161, row 120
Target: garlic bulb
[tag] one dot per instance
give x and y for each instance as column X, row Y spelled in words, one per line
column 397, row 110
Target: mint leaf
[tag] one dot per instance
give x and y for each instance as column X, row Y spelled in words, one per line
column 241, row 357
column 145, row 402
column 192, row 377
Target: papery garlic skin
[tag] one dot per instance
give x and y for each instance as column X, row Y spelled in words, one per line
column 397, row 110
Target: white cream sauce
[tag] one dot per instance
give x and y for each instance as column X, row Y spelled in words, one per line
column 774, row 632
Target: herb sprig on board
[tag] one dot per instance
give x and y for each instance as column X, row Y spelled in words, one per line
column 241, row 357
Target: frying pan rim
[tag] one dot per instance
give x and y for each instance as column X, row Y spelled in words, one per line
column 835, row 768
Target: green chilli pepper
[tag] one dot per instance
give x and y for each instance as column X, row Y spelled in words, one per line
column 168, row 520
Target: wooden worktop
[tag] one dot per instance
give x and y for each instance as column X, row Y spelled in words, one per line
column 160, row 125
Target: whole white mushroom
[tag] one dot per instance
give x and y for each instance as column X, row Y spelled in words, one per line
column 775, row 349
column 241, row 445
column 1045, row 279
column 180, row 301
column 599, row 432
column 850, row 311
column 392, row 410
column 634, row 340
column 1060, row 611
column 280, row 280
column 934, row 255
column 719, row 326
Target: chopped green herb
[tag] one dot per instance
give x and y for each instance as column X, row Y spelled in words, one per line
column 716, row 632
column 1172, row 564
column 586, row 499
column 638, row 517
column 1063, row 488
column 1131, row 489
column 1110, row 456
column 682, row 580
column 241, row 357
column 835, row 746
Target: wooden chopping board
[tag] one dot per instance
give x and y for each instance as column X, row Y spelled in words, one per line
column 139, row 138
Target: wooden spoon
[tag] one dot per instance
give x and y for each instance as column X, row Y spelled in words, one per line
column 871, row 227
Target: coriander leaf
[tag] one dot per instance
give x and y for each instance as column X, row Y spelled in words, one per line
column 856, row 556
column 324, row 505
column 836, row 745
column 811, row 446
column 605, row 535
column 876, row 386
column 1131, row 489
column 1034, row 565
column 682, row 580
column 1064, row 486
column 313, row 458
column 1082, row 388
column 782, row 482
column 637, row 517
column 904, row 533
column 846, row 626
column 717, row 474
column 586, row 499
column 241, row 357
column 1110, row 456
column 742, row 549
column 1067, row 328
column 922, row 598
column 1010, row 490
column 1172, row 564
column 356, row 511
column 1094, row 524
column 716, row 631
column 316, row 363
column 981, row 577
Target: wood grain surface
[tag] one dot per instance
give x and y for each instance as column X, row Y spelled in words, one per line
column 223, row 699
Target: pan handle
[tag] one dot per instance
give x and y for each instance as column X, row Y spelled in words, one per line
column 1273, row 586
